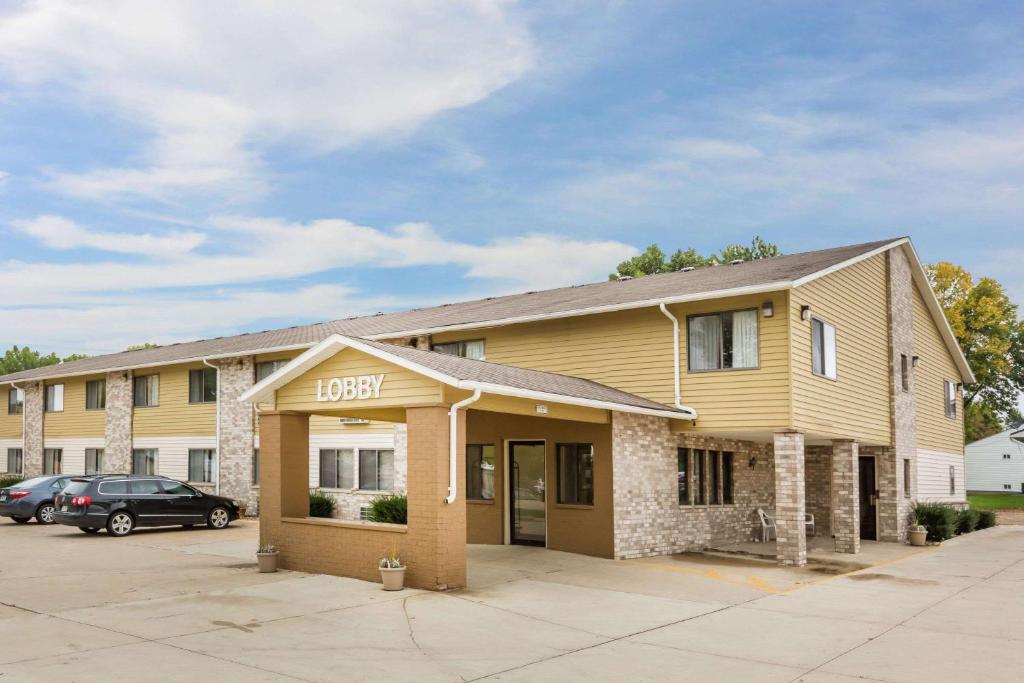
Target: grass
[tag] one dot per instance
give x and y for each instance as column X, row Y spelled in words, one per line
column 996, row 501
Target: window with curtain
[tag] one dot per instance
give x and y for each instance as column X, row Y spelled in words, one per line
column 268, row 368
column 473, row 348
column 576, row 473
column 144, row 460
column 15, row 401
column 96, row 394
column 722, row 341
column 201, row 463
column 480, row 471
column 202, row 385
column 683, row 469
column 93, row 460
column 823, row 348
column 15, row 461
column 55, row 399
column 376, row 470
column 53, row 459
column 337, row 468
column 727, row 478
column 950, row 389
column 146, row 390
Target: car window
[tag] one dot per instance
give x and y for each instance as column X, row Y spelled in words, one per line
column 114, row 488
column 76, row 488
column 176, row 488
column 29, row 483
column 59, row 484
column 145, row 487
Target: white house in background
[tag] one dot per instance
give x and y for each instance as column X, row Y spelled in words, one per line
column 997, row 463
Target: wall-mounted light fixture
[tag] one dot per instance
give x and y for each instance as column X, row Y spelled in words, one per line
column 805, row 312
column 767, row 309
column 753, row 461
column 915, row 360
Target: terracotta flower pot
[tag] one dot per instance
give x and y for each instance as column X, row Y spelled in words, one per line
column 393, row 579
column 918, row 538
column 267, row 562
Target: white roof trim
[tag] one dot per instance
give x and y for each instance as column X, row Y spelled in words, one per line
column 264, row 390
column 848, row 262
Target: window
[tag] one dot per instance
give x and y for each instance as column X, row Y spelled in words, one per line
column 713, row 462
column 176, row 488
column 202, row 385
column 201, row 462
column 377, row 470
column 147, row 391
column 480, row 472
column 906, row 477
column 463, row 349
column 1006, row 456
column 52, row 460
column 145, row 487
column 15, row 401
column 15, row 461
column 96, row 394
column 337, row 468
column 576, row 474
column 54, row 398
column 952, row 480
column 700, row 493
column 950, row 388
column 721, row 341
column 1007, row 487
column 255, row 467
column 683, row 468
column 905, row 372
column 727, row 478
column 144, row 460
column 93, row 460
column 114, row 488
column 823, row 348
column 268, row 368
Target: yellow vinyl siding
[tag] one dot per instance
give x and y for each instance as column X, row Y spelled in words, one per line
column 75, row 420
column 856, row 405
column 10, row 425
column 175, row 416
column 935, row 431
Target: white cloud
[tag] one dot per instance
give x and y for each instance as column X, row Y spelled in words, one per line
column 218, row 83
column 56, row 232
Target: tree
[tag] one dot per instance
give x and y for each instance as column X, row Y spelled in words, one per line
column 17, row 359
column 652, row 261
column 139, row 347
column 985, row 324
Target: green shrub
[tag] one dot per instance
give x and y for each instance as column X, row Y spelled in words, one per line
column 321, row 504
column 393, row 509
column 986, row 519
column 9, row 480
column 966, row 521
column 940, row 520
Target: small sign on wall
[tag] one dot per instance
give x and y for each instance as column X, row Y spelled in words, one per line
column 542, row 409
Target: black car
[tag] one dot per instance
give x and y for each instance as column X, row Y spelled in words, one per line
column 119, row 503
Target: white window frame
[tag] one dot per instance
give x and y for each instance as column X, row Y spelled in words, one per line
column 949, row 398
column 53, row 401
column 17, row 406
column 353, row 468
column 460, row 348
column 829, row 365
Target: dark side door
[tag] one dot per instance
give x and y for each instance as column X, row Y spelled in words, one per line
column 868, row 498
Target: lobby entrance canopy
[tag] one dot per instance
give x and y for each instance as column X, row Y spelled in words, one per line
column 429, row 392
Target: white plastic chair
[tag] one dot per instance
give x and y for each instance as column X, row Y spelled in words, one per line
column 767, row 520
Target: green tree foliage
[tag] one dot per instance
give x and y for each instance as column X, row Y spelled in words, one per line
column 19, row 358
column 140, row 347
column 653, row 260
column 985, row 324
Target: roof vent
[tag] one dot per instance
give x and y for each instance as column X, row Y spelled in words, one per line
column 623, row 278
column 735, row 261
column 687, row 269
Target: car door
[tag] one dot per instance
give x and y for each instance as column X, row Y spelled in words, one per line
column 185, row 503
column 149, row 503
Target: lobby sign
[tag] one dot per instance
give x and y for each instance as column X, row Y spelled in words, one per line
column 359, row 387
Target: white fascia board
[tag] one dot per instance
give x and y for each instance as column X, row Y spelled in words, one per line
column 502, row 390
column 849, row 262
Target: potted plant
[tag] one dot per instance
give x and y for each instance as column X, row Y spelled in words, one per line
column 242, row 508
column 919, row 535
column 392, row 571
column 266, row 557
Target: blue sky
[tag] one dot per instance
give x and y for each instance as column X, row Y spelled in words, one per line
column 191, row 169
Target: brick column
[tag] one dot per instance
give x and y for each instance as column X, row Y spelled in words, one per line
column 234, row 452
column 845, row 496
column 284, row 473
column 33, row 453
column 791, row 533
column 117, row 453
column 437, row 530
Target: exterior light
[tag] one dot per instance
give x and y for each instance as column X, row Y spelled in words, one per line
column 915, row 360
column 767, row 309
column 753, row 461
column 805, row 312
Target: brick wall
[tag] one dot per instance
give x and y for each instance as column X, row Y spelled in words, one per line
column 790, row 497
column 845, row 496
column 818, row 487
column 117, row 454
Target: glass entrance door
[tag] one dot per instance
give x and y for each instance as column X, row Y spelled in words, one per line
column 526, row 492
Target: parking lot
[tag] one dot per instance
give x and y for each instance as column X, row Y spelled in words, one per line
column 174, row 605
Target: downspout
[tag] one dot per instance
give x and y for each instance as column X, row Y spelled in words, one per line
column 217, row 370
column 24, row 424
column 675, row 361
column 453, row 445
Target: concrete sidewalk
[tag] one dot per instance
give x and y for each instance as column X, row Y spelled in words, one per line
column 176, row 605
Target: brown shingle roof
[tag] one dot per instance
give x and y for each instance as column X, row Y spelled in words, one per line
column 580, row 299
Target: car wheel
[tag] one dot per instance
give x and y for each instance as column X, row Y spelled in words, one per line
column 89, row 529
column 218, row 518
column 21, row 520
column 44, row 515
column 120, row 524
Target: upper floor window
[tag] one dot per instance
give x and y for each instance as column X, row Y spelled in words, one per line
column 147, row 391
column 15, row 401
column 54, row 398
column 202, row 385
column 905, row 372
column 268, row 368
column 950, row 397
column 473, row 348
column 480, row 472
column 96, row 394
column 721, row 341
column 823, row 348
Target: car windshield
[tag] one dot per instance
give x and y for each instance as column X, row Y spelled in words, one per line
column 76, row 487
column 30, row 483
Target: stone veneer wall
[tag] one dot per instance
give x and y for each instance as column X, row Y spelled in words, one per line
column 235, row 450
column 33, row 455
column 818, row 475
column 117, row 453
column 648, row 517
